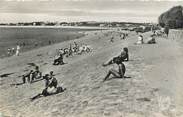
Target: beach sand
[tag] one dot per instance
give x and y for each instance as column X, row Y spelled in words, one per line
column 153, row 88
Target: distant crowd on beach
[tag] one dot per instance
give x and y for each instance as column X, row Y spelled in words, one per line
column 20, row 46
column 14, row 51
column 70, row 52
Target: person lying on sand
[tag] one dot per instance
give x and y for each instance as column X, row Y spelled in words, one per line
column 124, row 56
column 116, row 73
column 49, row 91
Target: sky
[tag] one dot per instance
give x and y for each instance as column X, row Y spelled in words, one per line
column 84, row 10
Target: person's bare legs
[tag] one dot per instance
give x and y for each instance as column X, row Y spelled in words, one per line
column 114, row 73
column 37, row 96
column 107, row 63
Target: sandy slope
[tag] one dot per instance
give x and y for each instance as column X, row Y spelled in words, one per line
column 139, row 96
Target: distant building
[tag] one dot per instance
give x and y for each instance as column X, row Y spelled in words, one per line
column 102, row 25
column 38, row 23
column 119, row 25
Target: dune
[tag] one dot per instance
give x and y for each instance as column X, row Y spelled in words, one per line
column 151, row 79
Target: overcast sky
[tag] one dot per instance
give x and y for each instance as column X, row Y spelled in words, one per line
column 83, row 10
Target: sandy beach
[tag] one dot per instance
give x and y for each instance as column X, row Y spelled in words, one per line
column 153, row 87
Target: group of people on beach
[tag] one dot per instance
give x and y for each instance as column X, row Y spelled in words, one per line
column 151, row 39
column 11, row 51
column 71, row 51
column 122, row 36
column 14, row 51
column 32, row 75
column 51, row 86
column 51, row 83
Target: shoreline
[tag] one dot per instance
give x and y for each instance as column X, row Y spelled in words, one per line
column 72, row 27
column 24, row 35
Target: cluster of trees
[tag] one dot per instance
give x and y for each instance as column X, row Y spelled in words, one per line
column 172, row 18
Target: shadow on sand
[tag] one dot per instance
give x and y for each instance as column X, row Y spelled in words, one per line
column 18, row 84
column 6, row 75
column 125, row 77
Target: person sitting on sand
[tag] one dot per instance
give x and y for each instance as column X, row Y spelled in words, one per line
column 52, row 81
column 61, row 51
column 124, row 56
column 51, row 87
column 151, row 39
column 47, row 79
column 59, row 60
column 123, row 36
column 116, row 73
column 76, row 47
column 140, row 40
column 112, row 39
column 36, row 74
column 13, row 51
column 28, row 76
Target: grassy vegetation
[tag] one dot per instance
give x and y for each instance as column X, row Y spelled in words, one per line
column 172, row 18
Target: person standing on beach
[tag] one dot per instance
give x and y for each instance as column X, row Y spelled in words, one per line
column 9, row 52
column 18, row 50
column 13, row 51
column 166, row 30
